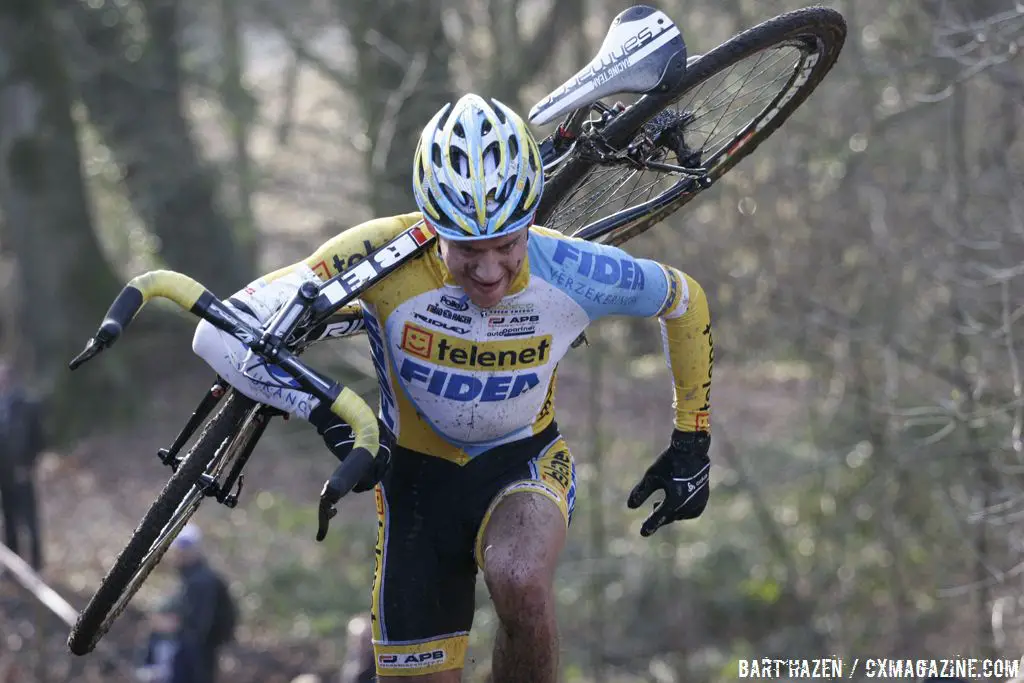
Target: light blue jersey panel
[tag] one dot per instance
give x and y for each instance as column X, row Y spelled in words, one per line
column 602, row 279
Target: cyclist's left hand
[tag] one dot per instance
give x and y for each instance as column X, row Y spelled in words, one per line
column 339, row 439
column 682, row 472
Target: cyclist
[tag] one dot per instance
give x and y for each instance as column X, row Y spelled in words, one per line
column 466, row 339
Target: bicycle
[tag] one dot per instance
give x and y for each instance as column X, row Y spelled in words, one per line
column 595, row 151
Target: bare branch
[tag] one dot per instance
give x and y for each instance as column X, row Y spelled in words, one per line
column 1018, row 386
column 392, row 107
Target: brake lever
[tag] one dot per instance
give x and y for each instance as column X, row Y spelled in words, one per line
column 348, row 473
column 328, row 500
column 93, row 347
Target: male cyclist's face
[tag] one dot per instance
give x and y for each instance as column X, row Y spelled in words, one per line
column 485, row 269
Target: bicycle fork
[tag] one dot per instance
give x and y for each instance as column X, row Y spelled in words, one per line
column 169, row 456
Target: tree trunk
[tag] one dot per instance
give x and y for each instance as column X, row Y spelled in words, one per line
column 64, row 280
column 240, row 108
column 133, row 92
column 598, row 530
column 518, row 59
column 403, row 80
column 976, row 454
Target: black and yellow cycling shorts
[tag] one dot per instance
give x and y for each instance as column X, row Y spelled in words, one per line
column 431, row 517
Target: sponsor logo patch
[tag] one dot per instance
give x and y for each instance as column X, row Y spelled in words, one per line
column 411, row 660
column 448, row 314
column 556, row 468
column 456, row 304
column 452, row 327
column 453, row 352
column 456, row 386
column 621, row 273
column 417, row 341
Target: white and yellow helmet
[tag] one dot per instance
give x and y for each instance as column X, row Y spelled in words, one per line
column 477, row 172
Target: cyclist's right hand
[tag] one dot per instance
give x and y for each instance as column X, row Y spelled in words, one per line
column 261, row 299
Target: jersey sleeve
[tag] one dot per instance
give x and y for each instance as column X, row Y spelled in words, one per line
column 338, row 254
column 690, row 353
column 606, row 280
column 348, row 247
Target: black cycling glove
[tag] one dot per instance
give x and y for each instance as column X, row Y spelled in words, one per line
column 339, row 437
column 682, row 472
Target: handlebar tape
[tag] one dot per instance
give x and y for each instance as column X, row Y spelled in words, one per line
column 179, row 288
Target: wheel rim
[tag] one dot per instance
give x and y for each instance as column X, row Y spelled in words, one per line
column 722, row 112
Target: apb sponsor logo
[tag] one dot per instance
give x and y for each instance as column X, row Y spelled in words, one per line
column 622, row 273
column 508, row 320
column 512, row 325
column 456, row 304
column 411, row 660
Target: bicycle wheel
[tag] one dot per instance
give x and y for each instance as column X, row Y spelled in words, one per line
column 223, row 437
column 728, row 102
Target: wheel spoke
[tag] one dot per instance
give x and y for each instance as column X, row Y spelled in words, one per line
column 715, row 110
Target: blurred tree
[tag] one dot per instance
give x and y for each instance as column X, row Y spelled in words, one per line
column 65, row 282
column 516, row 59
column 401, row 79
column 240, row 109
column 125, row 62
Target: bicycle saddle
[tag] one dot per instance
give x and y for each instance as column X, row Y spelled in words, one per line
column 643, row 52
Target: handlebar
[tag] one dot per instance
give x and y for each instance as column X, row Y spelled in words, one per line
column 195, row 298
column 167, row 284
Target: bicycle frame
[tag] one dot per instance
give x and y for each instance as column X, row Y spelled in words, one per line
column 269, row 344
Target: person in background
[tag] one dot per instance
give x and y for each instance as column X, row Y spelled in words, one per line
column 359, row 666
column 201, row 601
column 158, row 658
column 21, row 442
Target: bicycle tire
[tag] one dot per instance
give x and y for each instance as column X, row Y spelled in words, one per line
column 825, row 26
column 102, row 609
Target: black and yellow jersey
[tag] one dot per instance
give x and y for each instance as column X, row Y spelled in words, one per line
column 457, row 380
